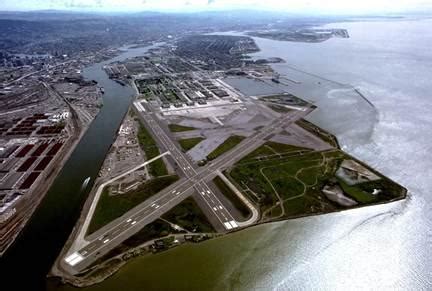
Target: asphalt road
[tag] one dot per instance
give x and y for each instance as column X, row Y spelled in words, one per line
column 108, row 237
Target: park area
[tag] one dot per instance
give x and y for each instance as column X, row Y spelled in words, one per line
column 288, row 181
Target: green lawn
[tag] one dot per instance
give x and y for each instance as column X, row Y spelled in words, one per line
column 324, row 135
column 272, row 148
column 287, row 186
column 308, row 176
column 189, row 143
column 276, row 176
column 282, row 148
column 357, row 193
column 295, row 207
column 111, row 207
column 303, row 176
column 154, row 230
column 275, row 212
column 390, row 189
column 151, row 150
column 235, row 200
column 188, row 215
column 228, row 144
column 279, row 108
column 179, row 128
column 262, row 151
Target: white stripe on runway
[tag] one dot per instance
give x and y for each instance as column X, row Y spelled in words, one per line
column 74, row 259
column 139, row 106
column 233, row 223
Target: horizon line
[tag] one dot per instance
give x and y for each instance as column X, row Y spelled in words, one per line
column 271, row 11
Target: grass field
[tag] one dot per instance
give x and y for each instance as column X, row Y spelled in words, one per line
column 179, row 128
column 189, row 143
column 295, row 182
column 357, row 193
column 276, row 180
column 151, row 150
column 111, row 207
column 325, row 136
column 188, row 215
column 273, row 148
column 154, row 230
column 279, row 108
column 235, row 200
column 228, row 144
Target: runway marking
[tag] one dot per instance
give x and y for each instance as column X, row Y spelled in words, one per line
column 251, row 142
column 139, row 106
column 74, row 259
column 233, row 223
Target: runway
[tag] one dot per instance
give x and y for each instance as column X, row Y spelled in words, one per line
column 112, row 234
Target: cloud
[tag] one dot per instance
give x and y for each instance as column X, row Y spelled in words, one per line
column 324, row 6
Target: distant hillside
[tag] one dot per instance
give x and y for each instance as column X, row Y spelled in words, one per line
column 60, row 32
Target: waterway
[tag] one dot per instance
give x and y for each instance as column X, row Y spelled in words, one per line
column 29, row 259
column 385, row 247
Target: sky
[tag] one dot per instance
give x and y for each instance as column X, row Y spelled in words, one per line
column 293, row 6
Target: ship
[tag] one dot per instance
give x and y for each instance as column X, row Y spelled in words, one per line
column 120, row 82
column 85, row 183
column 275, row 78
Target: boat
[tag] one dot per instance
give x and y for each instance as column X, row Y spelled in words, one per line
column 120, row 82
column 85, row 183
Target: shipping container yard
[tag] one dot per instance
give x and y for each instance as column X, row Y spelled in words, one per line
column 29, row 146
column 20, row 168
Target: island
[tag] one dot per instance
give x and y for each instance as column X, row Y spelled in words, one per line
column 302, row 34
column 196, row 158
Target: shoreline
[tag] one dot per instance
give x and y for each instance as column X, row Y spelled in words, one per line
column 79, row 128
column 78, row 282
column 117, row 262
column 58, row 273
column 56, row 267
column 42, row 188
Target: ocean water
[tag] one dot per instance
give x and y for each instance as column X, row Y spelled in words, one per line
column 391, row 64
column 384, row 247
